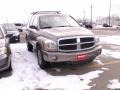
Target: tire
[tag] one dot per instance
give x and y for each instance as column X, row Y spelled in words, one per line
column 42, row 63
column 18, row 39
column 10, row 66
column 30, row 47
column 90, row 60
column 11, row 40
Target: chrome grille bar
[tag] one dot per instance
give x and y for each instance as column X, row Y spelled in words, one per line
column 76, row 43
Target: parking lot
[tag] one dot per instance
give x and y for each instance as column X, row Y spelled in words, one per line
column 110, row 60
column 101, row 74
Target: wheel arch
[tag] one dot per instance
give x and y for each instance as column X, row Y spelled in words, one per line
column 38, row 45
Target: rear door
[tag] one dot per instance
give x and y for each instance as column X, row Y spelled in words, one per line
column 33, row 33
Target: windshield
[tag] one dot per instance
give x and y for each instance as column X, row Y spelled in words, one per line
column 53, row 21
column 1, row 34
column 10, row 27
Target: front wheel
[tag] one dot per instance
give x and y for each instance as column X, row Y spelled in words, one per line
column 30, row 47
column 10, row 66
column 42, row 63
column 90, row 60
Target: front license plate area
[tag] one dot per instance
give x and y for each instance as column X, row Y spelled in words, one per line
column 80, row 57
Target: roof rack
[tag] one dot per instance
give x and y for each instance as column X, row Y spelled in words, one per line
column 46, row 12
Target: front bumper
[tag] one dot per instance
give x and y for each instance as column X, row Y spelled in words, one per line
column 71, row 56
column 14, row 39
column 4, row 62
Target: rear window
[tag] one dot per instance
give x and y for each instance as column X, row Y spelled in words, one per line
column 10, row 27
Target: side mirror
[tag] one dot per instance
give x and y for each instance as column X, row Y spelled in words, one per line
column 9, row 35
column 33, row 27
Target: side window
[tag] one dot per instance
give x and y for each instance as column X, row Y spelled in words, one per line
column 31, row 21
column 35, row 22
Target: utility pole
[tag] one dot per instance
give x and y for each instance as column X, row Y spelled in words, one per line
column 91, row 14
column 6, row 19
column 110, row 14
column 84, row 21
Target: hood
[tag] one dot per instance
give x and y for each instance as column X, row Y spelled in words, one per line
column 66, row 32
column 12, row 31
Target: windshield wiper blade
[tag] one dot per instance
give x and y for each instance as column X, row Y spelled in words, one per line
column 46, row 27
column 64, row 26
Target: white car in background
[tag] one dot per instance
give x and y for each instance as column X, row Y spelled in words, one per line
column 11, row 29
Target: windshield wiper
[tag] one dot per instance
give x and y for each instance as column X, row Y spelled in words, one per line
column 47, row 27
column 64, row 26
column 56, row 26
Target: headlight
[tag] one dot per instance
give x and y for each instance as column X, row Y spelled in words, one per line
column 97, row 40
column 50, row 45
column 3, row 50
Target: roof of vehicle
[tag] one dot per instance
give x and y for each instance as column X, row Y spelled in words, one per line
column 9, row 26
column 46, row 12
column 42, row 13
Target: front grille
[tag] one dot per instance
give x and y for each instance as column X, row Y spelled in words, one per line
column 76, row 43
column 86, row 39
column 68, row 41
column 86, row 45
column 68, row 47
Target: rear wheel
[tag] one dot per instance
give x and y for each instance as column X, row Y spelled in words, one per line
column 19, row 38
column 42, row 63
column 30, row 47
column 10, row 66
column 90, row 60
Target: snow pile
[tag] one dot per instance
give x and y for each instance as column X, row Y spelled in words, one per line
column 110, row 40
column 26, row 72
column 28, row 76
column 69, row 82
column 106, row 69
column 99, row 62
column 114, row 84
column 110, row 53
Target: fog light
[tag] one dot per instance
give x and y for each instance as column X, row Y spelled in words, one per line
column 54, row 58
column 81, row 57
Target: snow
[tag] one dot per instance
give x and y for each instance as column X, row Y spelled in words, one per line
column 69, row 82
column 100, row 27
column 115, row 40
column 114, row 84
column 110, row 53
column 27, row 75
column 99, row 62
column 110, row 40
column 103, row 68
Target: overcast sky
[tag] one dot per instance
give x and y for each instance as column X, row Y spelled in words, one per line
column 19, row 10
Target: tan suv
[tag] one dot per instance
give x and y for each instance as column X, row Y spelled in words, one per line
column 59, row 38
